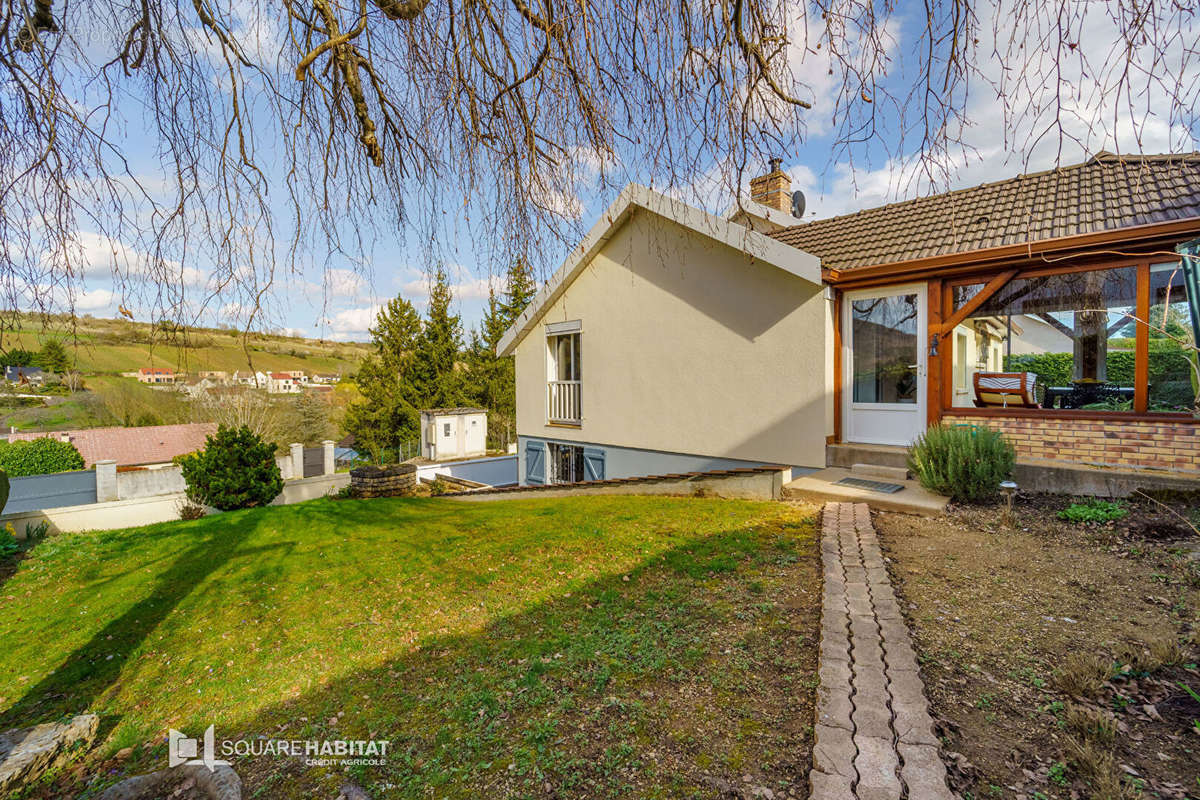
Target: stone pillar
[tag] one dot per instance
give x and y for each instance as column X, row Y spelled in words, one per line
column 106, row 481
column 329, row 461
column 297, row 460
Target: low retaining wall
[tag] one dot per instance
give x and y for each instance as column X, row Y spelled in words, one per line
column 753, row 483
column 148, row 510
column 493, row 471
column 390, row 481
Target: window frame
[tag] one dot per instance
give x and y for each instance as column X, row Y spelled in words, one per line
column 572, row 329
column 1141, row 313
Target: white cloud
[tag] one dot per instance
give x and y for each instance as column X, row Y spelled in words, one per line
column 94, row 300
column 354, row 320
column 463, row 285
column 100, row 256
column 345, row 283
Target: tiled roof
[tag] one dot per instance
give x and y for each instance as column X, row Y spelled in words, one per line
column 156, row 371
column 153, row 444
column 1105, row 193
column 447, row 411
column 282, row 376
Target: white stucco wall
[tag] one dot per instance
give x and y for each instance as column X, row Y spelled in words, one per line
column 689, row 346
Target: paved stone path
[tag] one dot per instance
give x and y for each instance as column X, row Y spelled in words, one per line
column 874, row 735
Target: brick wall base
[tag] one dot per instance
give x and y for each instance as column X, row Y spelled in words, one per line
column 1167, row 445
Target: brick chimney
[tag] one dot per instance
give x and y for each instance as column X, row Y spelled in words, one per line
column 774, row 189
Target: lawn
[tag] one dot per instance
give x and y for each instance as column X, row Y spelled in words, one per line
column 1056, row 655
column 583, row 647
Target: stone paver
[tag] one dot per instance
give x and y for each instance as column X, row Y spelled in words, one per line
column 874, row 735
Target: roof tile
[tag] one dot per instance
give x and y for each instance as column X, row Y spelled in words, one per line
column 1107, row 192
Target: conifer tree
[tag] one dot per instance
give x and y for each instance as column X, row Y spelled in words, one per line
column 439, row 347
column 387, row 413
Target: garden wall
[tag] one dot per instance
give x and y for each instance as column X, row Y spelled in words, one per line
column 494, row 471
column 1133, row 444
column 146, row 510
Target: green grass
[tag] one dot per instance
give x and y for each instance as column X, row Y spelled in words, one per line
column 110, row 346
column 604, row 646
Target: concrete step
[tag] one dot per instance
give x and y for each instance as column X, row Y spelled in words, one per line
column 880, row 472
column 821, row 487
column 848, row 454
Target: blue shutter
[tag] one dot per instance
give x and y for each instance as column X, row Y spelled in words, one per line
column 593, row 464
column 535, row 454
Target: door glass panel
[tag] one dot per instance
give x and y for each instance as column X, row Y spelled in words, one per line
column 884, row 342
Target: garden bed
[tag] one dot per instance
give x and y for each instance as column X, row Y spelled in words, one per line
column 1056, row 654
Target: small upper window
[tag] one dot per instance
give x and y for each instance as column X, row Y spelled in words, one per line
column 446, row 429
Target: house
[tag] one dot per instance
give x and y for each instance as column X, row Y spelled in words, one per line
column 326, row 377
column 152, row 444
column 156, row 375
column 1049, row 306
column 196, row 386
column 215, row 375
column 282, row 383
column 453, row 433
column 23, row 375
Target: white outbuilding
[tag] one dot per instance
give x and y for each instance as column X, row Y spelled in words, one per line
column 453, row 433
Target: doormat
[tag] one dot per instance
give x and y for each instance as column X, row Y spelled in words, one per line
column 870, row 486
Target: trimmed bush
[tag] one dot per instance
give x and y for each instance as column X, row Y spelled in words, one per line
column 966, row 463
column 40, row 456
column 236, row 469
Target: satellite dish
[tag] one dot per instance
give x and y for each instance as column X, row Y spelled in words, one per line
column 798, row 204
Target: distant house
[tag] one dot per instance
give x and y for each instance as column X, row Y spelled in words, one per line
column 220, row 376
column 453, row 433
column 282, row 383
column 15, row 374
column 326, row 377
column 196, row 386
column 153, row 444
column 156, row 375
column 299, row 375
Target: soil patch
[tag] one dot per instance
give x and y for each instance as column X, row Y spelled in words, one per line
column 1055, row 655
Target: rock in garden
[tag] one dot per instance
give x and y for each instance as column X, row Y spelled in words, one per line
column 27, row 753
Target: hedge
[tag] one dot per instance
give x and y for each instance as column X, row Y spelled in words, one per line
column 1057, row 369
column 40, row 456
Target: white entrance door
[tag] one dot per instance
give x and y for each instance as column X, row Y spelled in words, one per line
column 883, row 381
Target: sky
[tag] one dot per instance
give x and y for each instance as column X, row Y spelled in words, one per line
column 336, row 298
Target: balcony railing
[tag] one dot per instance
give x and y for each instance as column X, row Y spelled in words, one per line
column 564, row 405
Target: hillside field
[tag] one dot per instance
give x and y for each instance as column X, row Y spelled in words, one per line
column 111, row 346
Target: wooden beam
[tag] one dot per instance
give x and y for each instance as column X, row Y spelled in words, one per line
column 1058, row 326
column 837, row 365
column 933, row 383
column 990, row 288
column 1141, row 346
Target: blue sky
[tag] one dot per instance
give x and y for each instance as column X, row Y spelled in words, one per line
column 336, row 297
